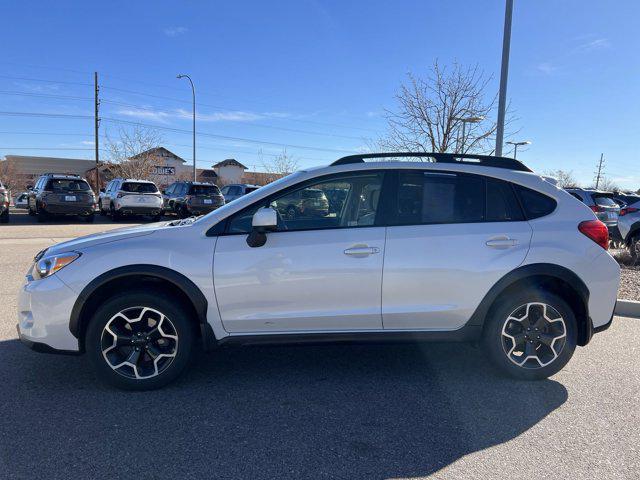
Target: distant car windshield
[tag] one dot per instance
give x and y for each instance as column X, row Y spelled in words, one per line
column 604, row 201
column 313, row 193
column 66, row 185
column 204, row 190
column 139, row 187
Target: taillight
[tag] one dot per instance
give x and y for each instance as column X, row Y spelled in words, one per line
column 596, row 231
column 597, row 208
column 628, row 210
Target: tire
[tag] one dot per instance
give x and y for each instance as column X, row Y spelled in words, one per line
column 4, row 218
column 156, row 218
column 101, row 349
column 183, row 212
column 115, row 216
column 502, row 337
column 31, row 212
column 102, row 212
column 42, row 216
column 90, row 218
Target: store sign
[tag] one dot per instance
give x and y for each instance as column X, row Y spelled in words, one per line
column 164, row 170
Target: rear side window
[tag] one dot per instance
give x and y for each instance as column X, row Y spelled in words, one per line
column 535, row 204
column 502, row 204
column 576, row 196
column 139, row 187
column 431, row 197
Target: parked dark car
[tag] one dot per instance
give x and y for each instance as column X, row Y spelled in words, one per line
column 191, row 198
column 309, row 202
column 237, row 190
column 58, row 194
column 4, row 204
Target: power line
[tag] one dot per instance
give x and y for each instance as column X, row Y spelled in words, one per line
column 42, row 80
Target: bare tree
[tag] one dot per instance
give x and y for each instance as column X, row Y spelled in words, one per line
column 607, row 185
column 12, row 179
column 281, row 165
column 431, row 109
column 565, row 178
column 128, row 152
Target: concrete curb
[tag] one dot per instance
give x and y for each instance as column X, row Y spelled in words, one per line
column 627, row 308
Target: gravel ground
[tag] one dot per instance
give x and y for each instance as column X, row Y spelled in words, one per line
column 629, row 277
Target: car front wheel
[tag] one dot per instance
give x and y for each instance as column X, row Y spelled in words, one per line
column 531, row 335
column 139, row 340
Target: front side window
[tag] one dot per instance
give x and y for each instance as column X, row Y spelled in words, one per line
column 225, row 190
column 309, row 208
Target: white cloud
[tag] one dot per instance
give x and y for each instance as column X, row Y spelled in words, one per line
column 546, row 68
column 184, row 114
column 175, row 31
column 592, row 45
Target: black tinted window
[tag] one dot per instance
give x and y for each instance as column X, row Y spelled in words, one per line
column 430, row 197
column 204, row 190
column 64, row 185
column 139, row 187
column 502, row 204
column 535, row 204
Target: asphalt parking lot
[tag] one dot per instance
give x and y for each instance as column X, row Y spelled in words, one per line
column 400, row 411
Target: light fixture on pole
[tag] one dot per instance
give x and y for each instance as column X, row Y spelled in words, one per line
column 193, row 91
column 516, row 145
column 465, row 120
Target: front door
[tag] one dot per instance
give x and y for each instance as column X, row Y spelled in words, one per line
column 322, row 269
column 455, row 236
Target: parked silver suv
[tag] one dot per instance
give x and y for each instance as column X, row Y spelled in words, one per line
column 603, row 205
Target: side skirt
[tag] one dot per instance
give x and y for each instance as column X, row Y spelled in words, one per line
column 467, row 333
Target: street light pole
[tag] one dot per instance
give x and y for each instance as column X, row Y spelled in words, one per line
column 193, row 92
column 516, row 145
column 465, row 120
column 504, row 72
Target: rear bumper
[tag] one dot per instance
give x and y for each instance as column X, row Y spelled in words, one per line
column 202, row 209
column 68, row 209
column 140, row 210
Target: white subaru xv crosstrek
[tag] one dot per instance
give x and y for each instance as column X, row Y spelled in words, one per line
column 446, row 248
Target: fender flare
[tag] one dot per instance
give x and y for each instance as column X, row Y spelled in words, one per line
column 523, row 272
column 633, row 230
column 180, row 281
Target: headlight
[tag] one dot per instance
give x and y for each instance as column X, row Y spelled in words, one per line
column 50, row 264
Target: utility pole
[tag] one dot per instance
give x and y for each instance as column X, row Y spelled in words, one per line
column 599, row 172
column 96, row 127
column 504, row 73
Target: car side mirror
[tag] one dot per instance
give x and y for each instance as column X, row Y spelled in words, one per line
column 264, row 220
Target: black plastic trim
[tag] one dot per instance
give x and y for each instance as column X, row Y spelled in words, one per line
column 635, row 228
column 604, row 327
column 179, row 280
column 522, row 273
column 467, row 333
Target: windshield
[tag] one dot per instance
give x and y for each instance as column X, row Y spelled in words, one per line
column 139, row 187
column 67, row 185
column 204, row 190
column 604, row 201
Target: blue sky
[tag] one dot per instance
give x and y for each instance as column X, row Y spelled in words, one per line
column 316, row 74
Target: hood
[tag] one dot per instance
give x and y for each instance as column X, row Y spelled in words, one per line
column 106, row 237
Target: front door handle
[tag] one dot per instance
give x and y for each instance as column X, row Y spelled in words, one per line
column 361, row 251
column 501, row 242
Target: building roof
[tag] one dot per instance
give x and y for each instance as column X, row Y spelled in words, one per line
column 229, row 162
column 206, row 173
column 159, row 152
column 35, row 166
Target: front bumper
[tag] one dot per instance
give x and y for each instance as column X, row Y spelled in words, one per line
column 44, row 309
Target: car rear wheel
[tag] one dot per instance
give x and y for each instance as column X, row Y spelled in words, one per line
column 115, row 216
column 41, row 215
column 634, row 250
column 531, row 335
column 139, row 340
column 101, row 210
column 4, row 218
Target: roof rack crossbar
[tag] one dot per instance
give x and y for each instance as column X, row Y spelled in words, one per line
column 466, row 158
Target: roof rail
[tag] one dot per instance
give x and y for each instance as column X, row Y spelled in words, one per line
column 436, row 157
column 61, row 174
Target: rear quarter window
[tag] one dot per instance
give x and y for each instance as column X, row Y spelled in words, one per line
column 534, row 204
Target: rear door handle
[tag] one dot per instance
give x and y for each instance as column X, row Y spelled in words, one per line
column 501, row 242
column 361, row 251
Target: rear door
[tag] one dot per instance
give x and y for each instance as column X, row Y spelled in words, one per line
column 450, row 238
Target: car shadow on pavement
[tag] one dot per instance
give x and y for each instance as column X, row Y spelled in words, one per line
column 376, row 411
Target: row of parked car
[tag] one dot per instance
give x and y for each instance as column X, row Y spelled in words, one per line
column 620, row 212
column 60, row 194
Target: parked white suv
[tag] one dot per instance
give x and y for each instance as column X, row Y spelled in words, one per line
column 458, row 248
column 129, row 197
